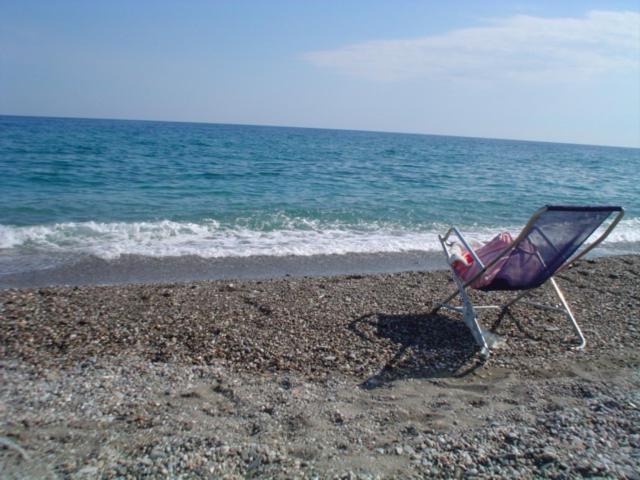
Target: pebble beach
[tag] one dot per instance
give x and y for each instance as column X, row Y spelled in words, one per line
column 319, row 377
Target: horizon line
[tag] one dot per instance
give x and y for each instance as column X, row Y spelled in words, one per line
column 322, row 128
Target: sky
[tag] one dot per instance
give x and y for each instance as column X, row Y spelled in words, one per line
column 540, row 70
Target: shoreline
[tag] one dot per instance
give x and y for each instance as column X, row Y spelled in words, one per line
column 127, row 269
column 345, row 376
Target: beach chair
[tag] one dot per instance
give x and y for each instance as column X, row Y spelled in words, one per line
column 552, row 240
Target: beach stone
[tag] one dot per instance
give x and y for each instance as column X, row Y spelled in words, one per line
column 156, row 452
column 88, row 471
column 547, row 455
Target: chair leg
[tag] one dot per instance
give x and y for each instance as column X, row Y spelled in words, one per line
column 576, row 327
column 468, row 316
column 566, row 310
column 471, row 320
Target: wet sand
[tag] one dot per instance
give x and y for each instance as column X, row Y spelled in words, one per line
column 90, row 270
column 344, row 376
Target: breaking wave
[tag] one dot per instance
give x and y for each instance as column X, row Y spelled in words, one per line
column 212, row 239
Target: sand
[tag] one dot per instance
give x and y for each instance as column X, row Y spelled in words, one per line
column 329, row 377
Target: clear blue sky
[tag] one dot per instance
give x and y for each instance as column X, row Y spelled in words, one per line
column 557, row 71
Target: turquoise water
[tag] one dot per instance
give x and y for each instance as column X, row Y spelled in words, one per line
column 107, row 188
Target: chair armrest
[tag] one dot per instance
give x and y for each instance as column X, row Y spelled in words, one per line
column 466, row 244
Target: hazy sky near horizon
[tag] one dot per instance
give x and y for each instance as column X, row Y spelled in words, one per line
column 537, row 70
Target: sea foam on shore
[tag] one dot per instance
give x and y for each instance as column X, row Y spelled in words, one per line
column 103, row 253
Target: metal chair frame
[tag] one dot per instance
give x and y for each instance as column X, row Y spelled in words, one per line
column 468, row 310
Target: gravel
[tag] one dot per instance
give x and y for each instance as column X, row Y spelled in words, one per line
column 337, row 377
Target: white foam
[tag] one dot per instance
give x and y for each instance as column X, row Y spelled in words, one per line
column 210, row 239
column 627, row 231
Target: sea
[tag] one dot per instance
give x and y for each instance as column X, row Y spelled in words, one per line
column 88, row 201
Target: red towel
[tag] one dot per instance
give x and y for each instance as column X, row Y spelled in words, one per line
column 487, row 253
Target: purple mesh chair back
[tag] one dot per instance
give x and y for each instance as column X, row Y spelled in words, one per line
column 546, row 245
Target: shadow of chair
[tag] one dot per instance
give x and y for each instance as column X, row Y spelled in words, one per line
column 429, row 346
